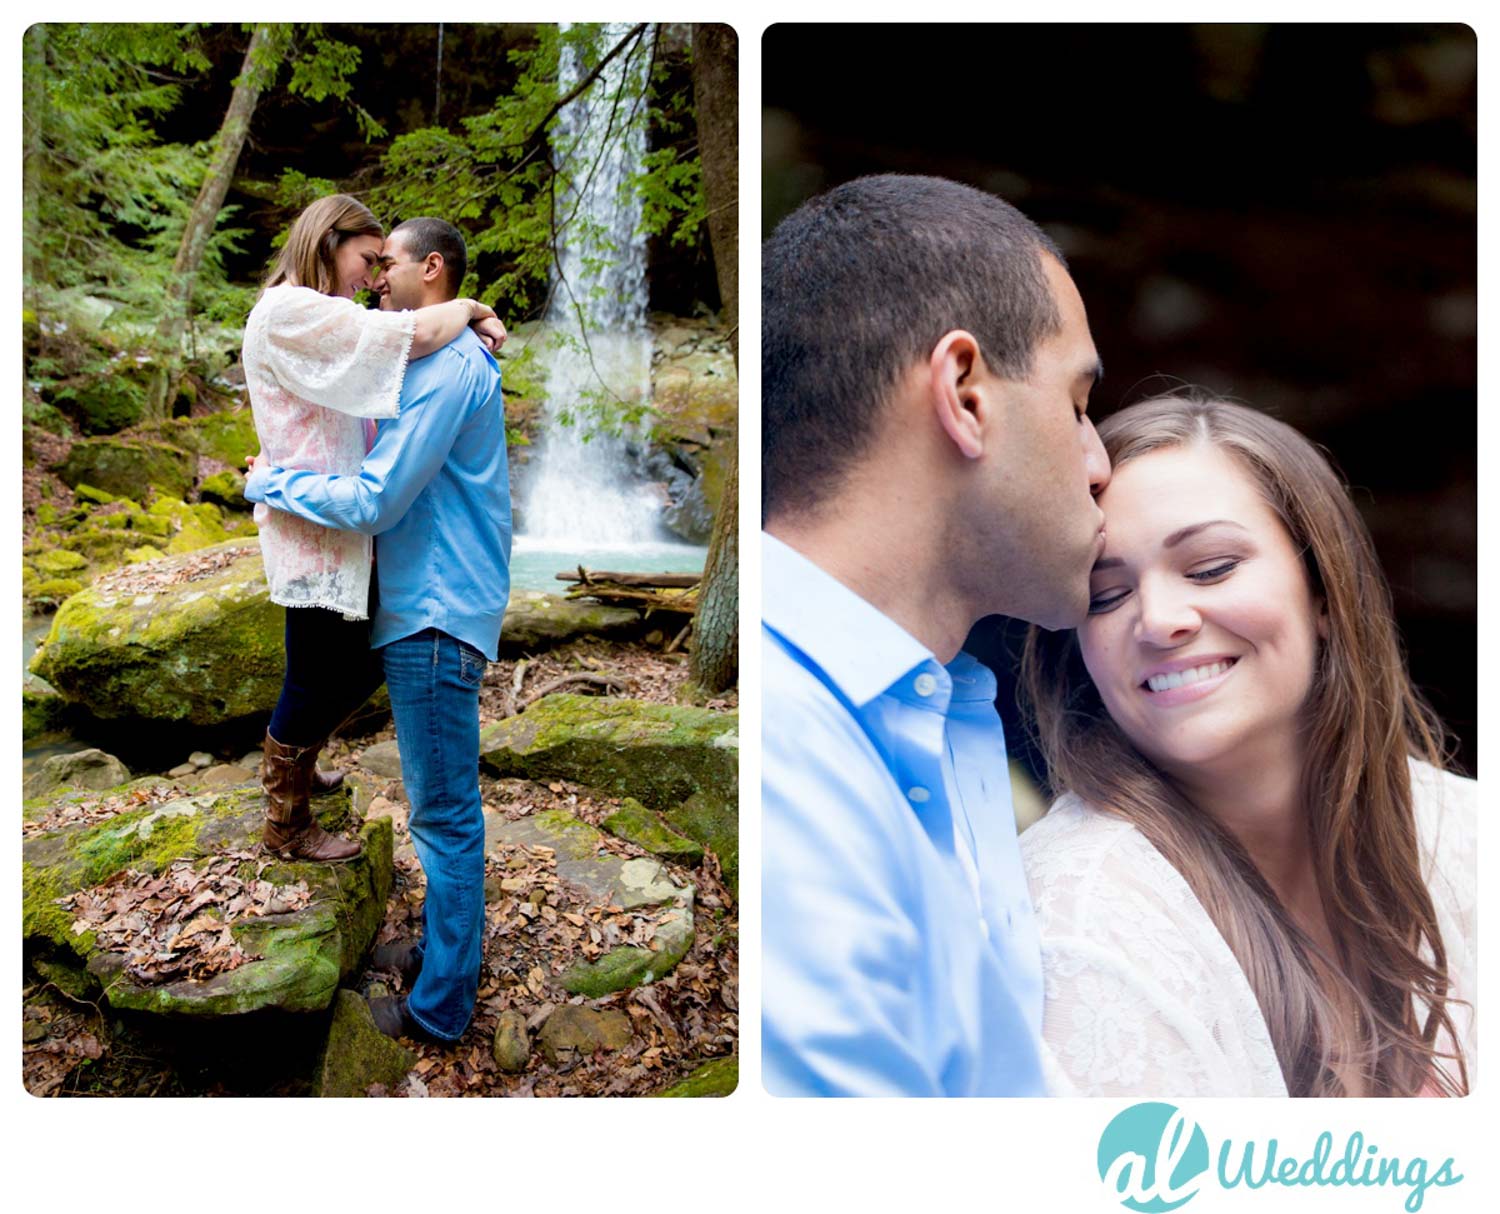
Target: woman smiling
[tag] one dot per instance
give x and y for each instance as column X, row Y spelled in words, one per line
column 1259, row 879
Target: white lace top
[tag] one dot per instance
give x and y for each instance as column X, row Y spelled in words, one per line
column 315, row 366
column 1143, row 996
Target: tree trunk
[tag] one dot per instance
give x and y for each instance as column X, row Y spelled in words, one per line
column 716, row 627
column 261, row 60
column 34, row 61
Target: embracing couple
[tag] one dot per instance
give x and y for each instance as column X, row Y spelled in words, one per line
column 422, row 499
column 1257, row 877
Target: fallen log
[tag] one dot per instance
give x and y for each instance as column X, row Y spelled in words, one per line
column 680, row 600
column 678, row 581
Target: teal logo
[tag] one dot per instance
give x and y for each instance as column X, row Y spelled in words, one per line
column 1153, row 1157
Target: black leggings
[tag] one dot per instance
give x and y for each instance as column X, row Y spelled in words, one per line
column 330, row 672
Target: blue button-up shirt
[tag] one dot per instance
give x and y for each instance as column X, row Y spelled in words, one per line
column 892, row 965
column 435, row 491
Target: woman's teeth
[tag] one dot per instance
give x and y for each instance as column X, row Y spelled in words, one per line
column 1182, row 678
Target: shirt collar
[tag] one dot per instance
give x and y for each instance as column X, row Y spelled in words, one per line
column 862, row 650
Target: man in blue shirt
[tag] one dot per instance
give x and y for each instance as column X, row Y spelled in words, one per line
column 434, row 490
column 927, row 461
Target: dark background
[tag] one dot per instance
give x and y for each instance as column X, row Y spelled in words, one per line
column 1284, row 213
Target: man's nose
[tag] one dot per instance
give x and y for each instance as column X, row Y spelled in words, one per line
column 1095, row 461
column 1166, row 614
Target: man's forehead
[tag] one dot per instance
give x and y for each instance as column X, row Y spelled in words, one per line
column 394, row 248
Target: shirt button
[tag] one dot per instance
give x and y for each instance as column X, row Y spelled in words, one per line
column 917, row 794
column 924, row 684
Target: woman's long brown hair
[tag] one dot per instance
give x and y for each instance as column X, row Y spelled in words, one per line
column 1380, row 1006
column 307, row 258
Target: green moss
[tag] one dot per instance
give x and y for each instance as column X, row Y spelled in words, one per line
column 41, row 917
column 55, row 590
column 643, row 828
column 136, row 556
column 203, row 652
column 46, row 513
column 226, row 489
column 109, row 401
column 58, row 563
column 623, row 968
column 658, row 753
column 44, row 416
column 227, row 436
column 127, row 466
column 717, row 1078
column 358, row 1054
column 714, row 822
column 41, row 712
column 618, row 970
column 301, row 956
column 85, row 492
column 75, row 981
column 573, row 839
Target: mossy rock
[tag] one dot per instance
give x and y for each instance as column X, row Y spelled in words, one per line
column 110, row 401
column 640, row 826
column 58, row 563
column 42, row 712
column 128, row 466
column 197, row 642
column 53, row 591
column 44, row 416
column 623, row 968
column 713, row 821
column 84, row 492
column 226, row 489
column 717, row 1078
column 301, row 957
column 535, row 620
column 227, row 436
column 661, row 754
column 358, row 1054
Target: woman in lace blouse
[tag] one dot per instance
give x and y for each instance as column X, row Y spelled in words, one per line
column 1259, row 879
column 319, row 368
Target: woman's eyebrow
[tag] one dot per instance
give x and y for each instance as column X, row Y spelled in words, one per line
column 1188, row 532
column 1177, row 537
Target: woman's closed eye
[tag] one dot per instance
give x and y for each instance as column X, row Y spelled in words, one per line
column 1106, row 600
column 1216, row 572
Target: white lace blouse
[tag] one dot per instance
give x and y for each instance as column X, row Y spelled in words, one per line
column 315, row 366
column 1142, row 994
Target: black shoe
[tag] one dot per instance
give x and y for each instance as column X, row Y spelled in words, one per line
column 403, row 956
column 391, row 1018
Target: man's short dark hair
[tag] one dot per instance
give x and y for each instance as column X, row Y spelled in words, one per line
column 424, row 235
column 860, row 283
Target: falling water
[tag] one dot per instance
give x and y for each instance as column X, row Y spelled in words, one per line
column 582, row 496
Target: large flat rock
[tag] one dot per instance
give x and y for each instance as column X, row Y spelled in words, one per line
column 191, row 639
column 639, row 883
column 535, row 620
column 661, row 754
column 300, row 956
column 678, row 760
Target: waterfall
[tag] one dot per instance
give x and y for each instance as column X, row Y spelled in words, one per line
column 581, row 493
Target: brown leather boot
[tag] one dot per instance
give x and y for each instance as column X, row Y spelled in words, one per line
column 291, row 832
column 325, row 782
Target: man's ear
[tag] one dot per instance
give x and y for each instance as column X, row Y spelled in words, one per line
column 432, row 267
column 954, row 371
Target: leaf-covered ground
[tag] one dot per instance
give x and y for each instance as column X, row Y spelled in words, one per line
column 536, row 925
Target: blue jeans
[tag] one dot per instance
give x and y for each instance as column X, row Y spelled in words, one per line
column 433, row 680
